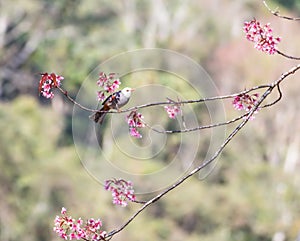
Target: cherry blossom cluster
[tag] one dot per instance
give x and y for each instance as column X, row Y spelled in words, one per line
column 121, row 191
column 49, row 82
column 262, row 36
column 245, row 102
column 135, row 121
column 173, row 110
column 109, row 82
column 69, row 228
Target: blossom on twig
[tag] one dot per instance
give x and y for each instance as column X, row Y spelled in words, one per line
column 134, row 132
column 69, row 228
column 262, row 36
column 121, row 191
column 135, row 121
column 173, row 110
column 49, row 82
column 100, row 95
column 245, row 102
column 109, row 82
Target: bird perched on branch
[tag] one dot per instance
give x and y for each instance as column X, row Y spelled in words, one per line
column 114, row 101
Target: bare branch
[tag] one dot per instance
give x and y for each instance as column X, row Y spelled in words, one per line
column 140, row 202
column 276, row 13
column 196, row 128
column 285, row 75
column 65, row 93
column 278, row 99
column 287, row 56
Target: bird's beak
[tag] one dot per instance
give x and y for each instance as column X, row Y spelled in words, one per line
column 132, row 90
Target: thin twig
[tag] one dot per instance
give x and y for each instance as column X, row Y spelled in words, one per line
column 181, row 112
column 276, row 13
column 65, row 93
column 278, row 99
column 140, row 202
column 287, row 56
column 286, row 74
column 196, row 128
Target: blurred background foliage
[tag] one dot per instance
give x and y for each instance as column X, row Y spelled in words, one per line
column 252, row 194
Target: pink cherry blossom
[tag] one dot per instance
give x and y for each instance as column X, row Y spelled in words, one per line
column 245, row 102
column 121, row 191
column 109, row 82
column 172, row 110
column 100, row 95
column 49, row 82
column 102, row 79
column 69, row 228
column 135, row 121
column 134, row 132
column 112, row 87
column 63, row 211
column 262, row 36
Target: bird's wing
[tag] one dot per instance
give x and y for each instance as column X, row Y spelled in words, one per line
column 110, row 99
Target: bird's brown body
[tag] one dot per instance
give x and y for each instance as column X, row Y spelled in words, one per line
column 114, row 101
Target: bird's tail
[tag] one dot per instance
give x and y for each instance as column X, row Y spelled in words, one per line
column 98, row 117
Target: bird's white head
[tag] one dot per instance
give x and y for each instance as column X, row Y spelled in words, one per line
column 127, row 92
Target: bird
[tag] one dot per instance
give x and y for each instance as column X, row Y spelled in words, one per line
column 114, row 101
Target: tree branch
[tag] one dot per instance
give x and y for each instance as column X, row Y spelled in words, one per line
column 65, row 93
column 216, row 154
column 222, row 97
column 278, row 99
column 276, row 13
column 287, row 56
column 204, row 164
column 196, row 128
